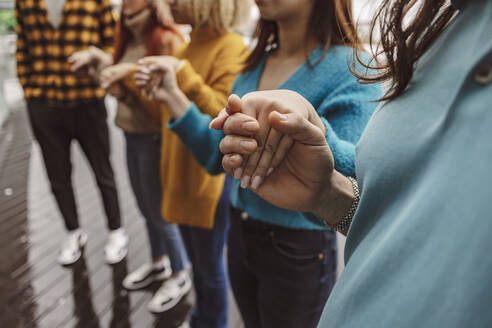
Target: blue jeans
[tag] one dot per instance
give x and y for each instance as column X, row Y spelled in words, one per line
column 143, row 155
column 280, row 277
column 206, row 251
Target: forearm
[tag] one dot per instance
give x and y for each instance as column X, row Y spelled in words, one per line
column 177, row 103
column 101, row 59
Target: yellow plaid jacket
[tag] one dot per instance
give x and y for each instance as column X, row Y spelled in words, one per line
column 42, row 50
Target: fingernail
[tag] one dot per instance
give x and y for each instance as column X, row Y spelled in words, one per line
column 270, row 170
column 250, row 126
column 238, row 173
column 247, row 145
column 245, row 181
column 257, row 180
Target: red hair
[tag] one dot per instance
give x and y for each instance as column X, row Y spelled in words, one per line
column 153, row 36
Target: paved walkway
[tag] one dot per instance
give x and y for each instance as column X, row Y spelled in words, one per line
column 35, row 290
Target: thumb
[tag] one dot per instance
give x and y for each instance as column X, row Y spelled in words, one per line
column 298, row 128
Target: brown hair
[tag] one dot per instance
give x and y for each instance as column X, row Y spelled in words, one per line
column 330, row 23
column 402, row 44
column 152, row 35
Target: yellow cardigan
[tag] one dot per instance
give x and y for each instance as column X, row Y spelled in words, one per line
column 189, row 194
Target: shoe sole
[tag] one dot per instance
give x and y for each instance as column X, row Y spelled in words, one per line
column 82, row 242
column 173, row 303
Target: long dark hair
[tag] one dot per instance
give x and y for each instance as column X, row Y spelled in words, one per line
column 152, row 35
column 330, row 23
column 402, row 44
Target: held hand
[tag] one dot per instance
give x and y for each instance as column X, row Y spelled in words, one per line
column 301, row 179
column 92, row 60
column 156, row 76
column 81, row 60
column 112, row 74
column 272, row 145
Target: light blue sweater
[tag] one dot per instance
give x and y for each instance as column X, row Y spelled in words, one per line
column 343, row 104
column 418, row 252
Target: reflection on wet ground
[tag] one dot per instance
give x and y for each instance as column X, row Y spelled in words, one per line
column 34, row 290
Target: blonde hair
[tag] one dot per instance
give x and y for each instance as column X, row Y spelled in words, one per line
column 222, row 15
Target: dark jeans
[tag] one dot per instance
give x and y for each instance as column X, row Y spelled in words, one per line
column 280, row 277
column 206, row 252
column 143, row 155
column 54, row 129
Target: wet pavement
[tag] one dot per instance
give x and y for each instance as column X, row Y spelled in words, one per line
column 37, row 292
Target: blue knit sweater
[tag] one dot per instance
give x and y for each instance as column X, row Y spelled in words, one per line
column 342, row 103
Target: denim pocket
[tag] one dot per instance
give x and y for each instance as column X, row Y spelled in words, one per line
column 300, row 248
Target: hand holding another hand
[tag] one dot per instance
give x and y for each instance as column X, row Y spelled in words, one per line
column 275, row 143
column 156, row 77
column 110, row 78
column 92, row 60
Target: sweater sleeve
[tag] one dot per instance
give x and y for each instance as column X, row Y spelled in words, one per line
column 211, row 97
column 345, row 114
column 22, row 52
column 203, row 142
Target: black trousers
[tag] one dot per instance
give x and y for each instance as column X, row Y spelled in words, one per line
column 280, row 277
column 54, row 129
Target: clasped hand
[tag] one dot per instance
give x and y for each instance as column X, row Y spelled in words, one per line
column 91, row 60
column 111, row 78
column 156, row 76
column 275, row 144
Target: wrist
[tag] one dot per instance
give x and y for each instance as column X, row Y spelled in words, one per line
column 177, row 103
column 100, row 58
column 336, row 199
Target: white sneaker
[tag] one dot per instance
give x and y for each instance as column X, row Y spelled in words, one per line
column 71, row 248
column 169, row 294
column 146, row 274
column 184, row 325
column 117, row 246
